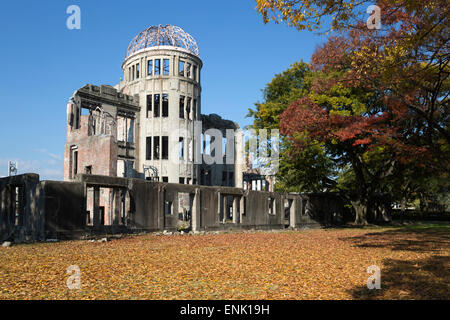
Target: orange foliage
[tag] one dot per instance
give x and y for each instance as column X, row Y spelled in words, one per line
column 314, row 264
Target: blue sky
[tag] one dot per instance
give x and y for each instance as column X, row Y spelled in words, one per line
column 43, row 63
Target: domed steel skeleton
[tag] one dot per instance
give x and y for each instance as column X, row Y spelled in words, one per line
column 168, row 35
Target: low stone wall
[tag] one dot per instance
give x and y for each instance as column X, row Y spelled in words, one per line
column 52, row 209
column 21, row 208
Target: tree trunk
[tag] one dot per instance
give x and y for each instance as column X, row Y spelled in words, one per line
column 360, row 211
column 403, row 205
column 384, row 213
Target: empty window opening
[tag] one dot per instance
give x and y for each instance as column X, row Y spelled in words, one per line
column 226, row 208
column 157, row 67
column 165, row 105
column 86, row 112
column 185, row 204
column 132, row 73
column 166, row 67
column 206, row 144
column 224, row 145
column 168, row 207
column 150, row 67
column 188, row 108
column 125, row 129
column 148, row 149
column 181, row 69
column 107, row 205
column 137, row 71
column 90, row 206
column 181, row 148
column 155, row 148
column 74, row 162
column 165, row 148
column 304, row 203
column 195, row 73
column 130, row 130
column 94, row 127
column 182, row 107
column 149, row 105
column 288, row 209
column 271, row 206
column 194, row 110
column 188, row 70
column 77, row 117
column 125, row 203
column 156, row 105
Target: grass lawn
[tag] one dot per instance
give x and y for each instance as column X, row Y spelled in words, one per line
column 311, row 264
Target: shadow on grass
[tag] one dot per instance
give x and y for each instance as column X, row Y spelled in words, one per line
column 418, row 239
column 415, row 278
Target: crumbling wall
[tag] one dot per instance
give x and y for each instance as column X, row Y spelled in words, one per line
column 258, row 212
column 64, row 207
column 52, row 209
column 107, row 134
column 148, row 203
column 21, row 216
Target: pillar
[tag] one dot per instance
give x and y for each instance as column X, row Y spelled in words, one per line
column 242, row 209
column 292, row 213
column 117, row 199
column 96, row 207
column 239, row 156
column 219, row 204
column 161, row 214
column 195, row 217
column 235, row 210
column 225, row 209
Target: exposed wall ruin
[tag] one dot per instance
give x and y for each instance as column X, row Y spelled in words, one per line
column 51, row 209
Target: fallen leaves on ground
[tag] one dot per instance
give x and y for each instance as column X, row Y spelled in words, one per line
column 312, row 264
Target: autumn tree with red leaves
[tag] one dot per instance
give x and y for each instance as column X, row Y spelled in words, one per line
column 379, row 98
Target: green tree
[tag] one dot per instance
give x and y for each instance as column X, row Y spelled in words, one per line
column 379, row 101
column 305, row 171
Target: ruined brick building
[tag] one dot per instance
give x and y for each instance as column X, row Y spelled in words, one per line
column 144, row 127
column 150, row 125
column 136, row 160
